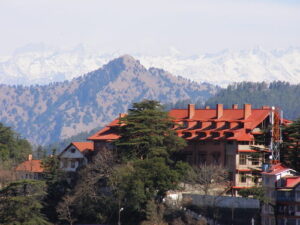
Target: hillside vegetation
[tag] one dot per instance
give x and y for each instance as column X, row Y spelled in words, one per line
column 13, row 148
column 279, row 94
column 49, row 113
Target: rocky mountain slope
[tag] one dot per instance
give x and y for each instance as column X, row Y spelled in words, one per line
column 48, row 113
column 39, row 64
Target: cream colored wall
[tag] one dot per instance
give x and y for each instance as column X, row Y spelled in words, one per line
column 69, row 157
column 249, row 178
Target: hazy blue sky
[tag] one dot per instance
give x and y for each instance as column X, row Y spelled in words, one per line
column 152, row 26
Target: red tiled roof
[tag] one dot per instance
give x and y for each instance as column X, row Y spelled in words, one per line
column 292, row 181
column 228, row 115
column 107, row 133
column 82, row 146
column 30, row 166
column 230, row 126
column 276, row 169
column 214, row 128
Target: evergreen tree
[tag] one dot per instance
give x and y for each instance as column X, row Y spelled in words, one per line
column 147, row 147
column 13, row 149
column 290, row 151
column 20, row 203
column 147, row 133
column 56, row 185
column 40, row 152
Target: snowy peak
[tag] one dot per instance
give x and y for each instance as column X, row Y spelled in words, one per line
column 41, row 64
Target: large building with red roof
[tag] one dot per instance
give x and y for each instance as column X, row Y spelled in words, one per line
column 220, row 136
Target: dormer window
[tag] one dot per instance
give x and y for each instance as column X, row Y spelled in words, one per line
column 73, row 150
column 187, row 134
column 198, row 125
column 227, row 125
column 228, row 134
column 215, row 134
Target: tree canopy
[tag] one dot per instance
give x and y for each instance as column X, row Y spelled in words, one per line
column 278, row 93
column 147, row 147
column 21, row 203
column 290, row 151
column 13, row 149
column 146, row 132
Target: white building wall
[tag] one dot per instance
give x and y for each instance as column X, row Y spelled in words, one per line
column 70, row 158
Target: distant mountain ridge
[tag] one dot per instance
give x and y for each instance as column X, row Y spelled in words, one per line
column 48, row 113
column 39, row 64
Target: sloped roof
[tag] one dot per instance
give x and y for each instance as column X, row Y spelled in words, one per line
column 230, row 126
column 108, row 133
column 277, row 169
column 30, row 166
column 292, row 181
column 82, row 146
column 213, row 128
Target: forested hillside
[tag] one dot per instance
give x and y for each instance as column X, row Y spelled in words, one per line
column 13, row 148
column 280, row 94
column 49, row 113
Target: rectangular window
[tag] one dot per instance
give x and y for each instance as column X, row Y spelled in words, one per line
column 216, row 157
column 73, row 163
column 202, row 157
column 243, row 159
column 255, row 159
column 255, row 178
column 243, row 178
column 65, row 163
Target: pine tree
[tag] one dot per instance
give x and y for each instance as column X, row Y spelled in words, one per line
column 147, row 133
column 13, row 149
column 56, row 185
column 147, row 147
column 21, row 203
column 290, row 151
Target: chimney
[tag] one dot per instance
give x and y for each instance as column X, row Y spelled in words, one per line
column 219, row 111
column 121, row 115
column 29, row 157
column 235, row 106
column 191, row 110
column 247, row 111
column 207, row 107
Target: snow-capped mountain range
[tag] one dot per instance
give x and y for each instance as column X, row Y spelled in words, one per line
column 40, row 64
